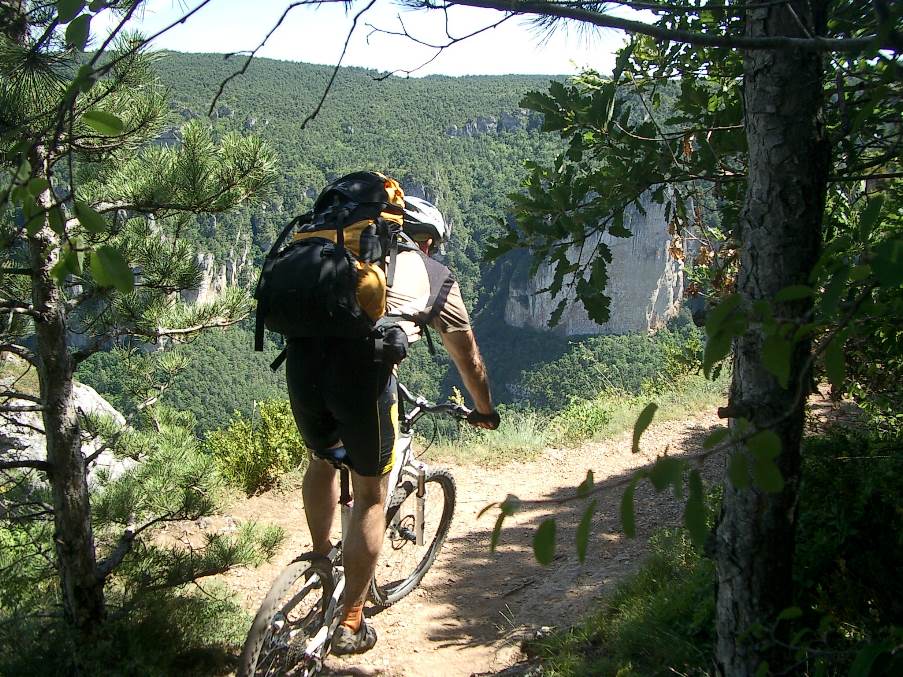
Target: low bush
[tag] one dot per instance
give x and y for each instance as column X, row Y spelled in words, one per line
column 658, row 622
column 252, row 453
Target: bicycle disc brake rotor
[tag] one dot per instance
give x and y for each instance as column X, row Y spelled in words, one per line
column 402, row 534
column 282, row 653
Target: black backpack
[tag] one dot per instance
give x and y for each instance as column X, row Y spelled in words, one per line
column 310, row 288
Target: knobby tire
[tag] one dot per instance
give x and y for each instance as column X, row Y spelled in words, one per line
column 278, row 601
column 403, row 499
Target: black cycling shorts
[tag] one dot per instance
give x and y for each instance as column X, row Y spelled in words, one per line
column 338, row 393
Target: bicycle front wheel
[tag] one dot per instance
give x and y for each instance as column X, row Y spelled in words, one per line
column 403, row 563
column 289, row 617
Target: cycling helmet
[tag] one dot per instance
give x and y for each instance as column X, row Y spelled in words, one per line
column 421, row 218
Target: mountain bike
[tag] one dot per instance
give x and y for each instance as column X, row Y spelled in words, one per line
column 292, row 631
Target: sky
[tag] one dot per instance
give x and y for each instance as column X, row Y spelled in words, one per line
column 317, row 35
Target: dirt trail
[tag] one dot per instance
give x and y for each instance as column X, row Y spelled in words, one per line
column 473, row 608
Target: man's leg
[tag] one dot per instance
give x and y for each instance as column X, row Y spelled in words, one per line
column 321, row 494
column 363, row 542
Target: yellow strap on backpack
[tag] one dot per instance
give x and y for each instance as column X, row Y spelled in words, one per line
column 371, row 289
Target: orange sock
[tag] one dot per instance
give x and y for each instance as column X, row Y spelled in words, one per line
column 354, row 616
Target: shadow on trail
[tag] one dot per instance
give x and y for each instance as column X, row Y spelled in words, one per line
column 485, row 598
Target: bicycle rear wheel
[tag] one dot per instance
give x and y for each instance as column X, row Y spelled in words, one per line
column 289, row 616
column 403, row 563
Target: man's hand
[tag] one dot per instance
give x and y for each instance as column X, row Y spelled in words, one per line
column 486, row 421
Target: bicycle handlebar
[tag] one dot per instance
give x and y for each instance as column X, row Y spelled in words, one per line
column 422, row 407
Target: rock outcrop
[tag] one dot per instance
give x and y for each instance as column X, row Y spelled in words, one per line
column 21, row 437
column 506, row 121
column 217, row 277
column 645, row 283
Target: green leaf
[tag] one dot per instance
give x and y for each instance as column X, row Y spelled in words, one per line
column 586, row 485
column 794, row 293
column 510, row 505
column 78, row 31
column 496, row 531
column 583, row 530
column 738, row 469
column 89, row 219
column 860, row 272
column 834, row 290
column 835, row 363
column 103, row 122
column 716, row 317
column 55, row 219
column 776, row 354
column 717, row 347
column 38, row 185
column 666, row 470
column 486, row 509
column 23, row 174
column 544, row 542
column 888, row 263
column 715, row 438
column 97, row 5
column 84, row 79
column 869, row 217
column 865, row 659
column 694, row 512
column 110, row 269
column 642, row 422
column 33, row 213
column 628, row 520
column 790, row 613
column 68, row 264
column 765, row 444
column 762, row 670
column 767, row 475
column 67, row 10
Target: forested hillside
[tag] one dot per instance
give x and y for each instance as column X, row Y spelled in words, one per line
column 461, row 142
column 413, row 129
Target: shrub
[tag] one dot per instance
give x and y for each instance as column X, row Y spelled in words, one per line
column 582, row 419
column 253, row 453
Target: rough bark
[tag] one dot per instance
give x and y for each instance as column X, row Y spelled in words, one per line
column 82, row 588
column 780, row 233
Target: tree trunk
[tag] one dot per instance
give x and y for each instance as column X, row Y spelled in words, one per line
column 82, row 588
column 780, row 236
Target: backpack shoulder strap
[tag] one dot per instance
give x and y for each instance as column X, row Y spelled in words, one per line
column 264, row 275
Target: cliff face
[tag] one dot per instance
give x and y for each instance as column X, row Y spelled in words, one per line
column 216, row 277
column 21, row 437
column 645, row 283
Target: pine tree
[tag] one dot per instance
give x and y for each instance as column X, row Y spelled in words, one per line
column 92, row 211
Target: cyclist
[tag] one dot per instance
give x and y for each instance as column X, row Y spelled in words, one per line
column 342, row 397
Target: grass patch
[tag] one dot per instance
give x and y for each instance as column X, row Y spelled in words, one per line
column 525, row 433
column 20, row 376
column 658, row 622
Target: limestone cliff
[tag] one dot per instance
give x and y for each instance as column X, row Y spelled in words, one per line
column 218, row 276
column 21, row 436
column 645, row 283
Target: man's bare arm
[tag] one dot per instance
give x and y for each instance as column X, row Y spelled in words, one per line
column 462, row 347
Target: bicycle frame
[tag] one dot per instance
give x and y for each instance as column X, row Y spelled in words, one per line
column 406, row 465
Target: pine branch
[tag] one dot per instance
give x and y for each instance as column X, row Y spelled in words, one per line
column 8, row 395
column 43, row 466
column 597, row 18
column 124, row 545
column 19, row 351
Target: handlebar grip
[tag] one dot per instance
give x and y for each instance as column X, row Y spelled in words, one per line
column 492, row 419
